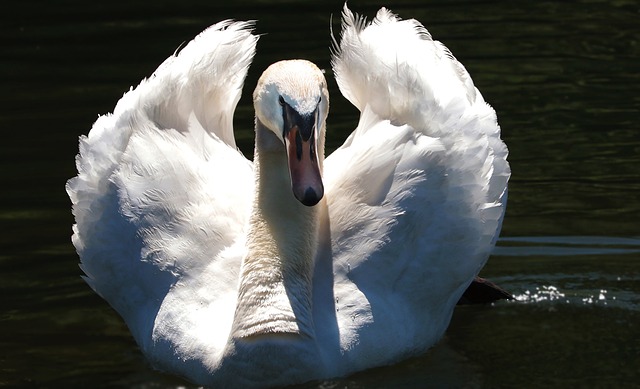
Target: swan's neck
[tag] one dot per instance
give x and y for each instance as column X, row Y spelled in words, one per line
column 275, row 281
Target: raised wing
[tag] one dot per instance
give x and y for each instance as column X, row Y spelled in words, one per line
column 161, row 190
column 416, row 194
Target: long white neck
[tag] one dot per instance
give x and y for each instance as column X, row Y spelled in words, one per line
column 275, row 280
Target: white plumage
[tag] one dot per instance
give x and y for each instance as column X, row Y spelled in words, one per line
column 223, row 275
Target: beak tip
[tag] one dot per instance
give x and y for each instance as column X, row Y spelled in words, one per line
column 310, row 197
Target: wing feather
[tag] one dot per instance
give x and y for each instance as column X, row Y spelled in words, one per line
column 417, row 193
column 161, row 189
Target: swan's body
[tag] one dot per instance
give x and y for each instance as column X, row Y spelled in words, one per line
column 220, row 271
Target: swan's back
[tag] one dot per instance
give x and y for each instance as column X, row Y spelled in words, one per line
column 161, row 190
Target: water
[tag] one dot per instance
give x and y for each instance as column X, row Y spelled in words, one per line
column 562, row 76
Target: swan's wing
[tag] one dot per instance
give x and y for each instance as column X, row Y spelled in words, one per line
column 416, row 194
column 162, row 192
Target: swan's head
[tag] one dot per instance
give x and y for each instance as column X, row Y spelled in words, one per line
column 291, row 100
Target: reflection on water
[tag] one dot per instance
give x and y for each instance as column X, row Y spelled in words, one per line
column 543, row 293
column 606, row 285
column 601, row 298
column 562, row 76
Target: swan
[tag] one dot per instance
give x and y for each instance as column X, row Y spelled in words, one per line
column 292, row 267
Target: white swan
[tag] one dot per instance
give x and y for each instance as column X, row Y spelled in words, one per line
column 221, row 271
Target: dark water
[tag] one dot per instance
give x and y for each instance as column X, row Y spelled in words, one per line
column 563, row 77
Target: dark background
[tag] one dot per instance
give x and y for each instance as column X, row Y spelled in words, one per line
column 562, row 76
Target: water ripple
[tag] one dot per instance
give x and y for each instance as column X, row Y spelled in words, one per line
column 566, row 246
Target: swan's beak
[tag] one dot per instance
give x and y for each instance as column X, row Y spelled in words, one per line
column 300, row 135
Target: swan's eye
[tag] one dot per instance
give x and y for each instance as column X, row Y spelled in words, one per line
column 281, row 100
